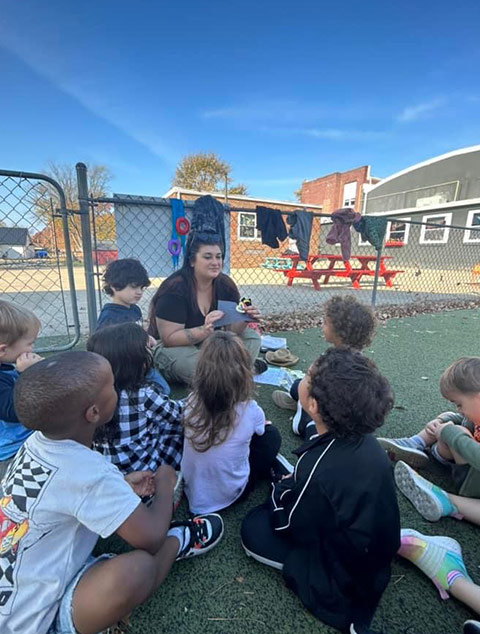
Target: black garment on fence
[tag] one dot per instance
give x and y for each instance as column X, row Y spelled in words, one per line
column 207, row 217
column 270, row 224
column 301, row 230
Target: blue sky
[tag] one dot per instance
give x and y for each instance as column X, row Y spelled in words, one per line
column 282, row 91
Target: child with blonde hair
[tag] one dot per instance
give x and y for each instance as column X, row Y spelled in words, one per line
column 453, row 440
column 18, row 330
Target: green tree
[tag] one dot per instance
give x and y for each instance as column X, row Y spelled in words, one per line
column 205, row 171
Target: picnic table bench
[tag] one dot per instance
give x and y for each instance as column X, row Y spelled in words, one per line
column 355, row 273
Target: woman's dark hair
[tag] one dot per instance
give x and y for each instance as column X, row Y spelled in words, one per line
column 120, row 273
column 223, row 378
column 352, row 321
column 353, row 398
column 186, row 275
column 125, row 347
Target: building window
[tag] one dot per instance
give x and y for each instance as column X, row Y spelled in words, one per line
column 433, row 234
column 247, row 226
column 397, row 231
column 473, row 220
column 349, row 194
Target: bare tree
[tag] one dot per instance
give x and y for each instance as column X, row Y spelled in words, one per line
column 45, row 200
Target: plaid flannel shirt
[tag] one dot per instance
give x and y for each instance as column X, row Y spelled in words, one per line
column 149, row 431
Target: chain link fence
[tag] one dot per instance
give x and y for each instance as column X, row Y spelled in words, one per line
column 36, row 262
column 418, row 262
column 52, row 259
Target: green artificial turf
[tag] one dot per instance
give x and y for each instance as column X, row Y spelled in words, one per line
column 224, row 592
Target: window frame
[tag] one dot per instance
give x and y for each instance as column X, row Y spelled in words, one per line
column 388, row 235
column 257, row 235
column 446, row 231
column 349, row 202
column 467, row 234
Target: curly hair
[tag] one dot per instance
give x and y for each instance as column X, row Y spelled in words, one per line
column 462, row 376
column 223, row 378
column 352, row 321
column 120, row 273
column 353, row 398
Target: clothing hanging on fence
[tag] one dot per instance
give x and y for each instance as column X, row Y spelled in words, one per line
column 340, row 231
column 301, row 230
column 208, row 217
column 178, row 211
column 270, row 224
column 372, row 229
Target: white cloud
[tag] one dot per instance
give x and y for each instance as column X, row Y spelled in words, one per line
column 412, row 113
column 331, row 134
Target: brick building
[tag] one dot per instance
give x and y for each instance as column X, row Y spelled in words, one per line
column 339, row 189
column 246, row 248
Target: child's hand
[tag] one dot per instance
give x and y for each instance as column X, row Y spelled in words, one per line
column 27, row 359
column 152, row 342
column 165, row 474
column 142, row 482
column 432, row 427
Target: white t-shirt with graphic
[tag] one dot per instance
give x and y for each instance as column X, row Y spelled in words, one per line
column 57, row 497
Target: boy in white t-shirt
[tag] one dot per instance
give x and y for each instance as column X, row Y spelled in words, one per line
column 57, row 497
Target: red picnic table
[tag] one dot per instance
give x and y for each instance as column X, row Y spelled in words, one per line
column 366, row 267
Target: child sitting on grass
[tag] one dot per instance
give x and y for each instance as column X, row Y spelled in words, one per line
column 146, row 429
column 453, row 440
column 58, row 496
column 346, row 322
column 333, row 527
column 228, row 444
column 124, row 281
column 18, row 330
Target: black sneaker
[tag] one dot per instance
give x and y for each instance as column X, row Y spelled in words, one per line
column 300, row 421
column 260, row 366
column 471, row 627
column 281, row 467
column 204, row 533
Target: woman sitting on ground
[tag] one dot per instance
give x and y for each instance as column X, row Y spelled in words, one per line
column 183, row 311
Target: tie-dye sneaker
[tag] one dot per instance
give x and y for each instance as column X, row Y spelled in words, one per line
column 440, row 558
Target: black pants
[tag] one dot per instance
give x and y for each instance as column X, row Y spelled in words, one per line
column 263, row 451
column 267, row 547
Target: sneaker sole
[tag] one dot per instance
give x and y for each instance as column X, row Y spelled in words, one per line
column 414, row 457
column 284, row 400
column 297, row 419
column 445, row 542
column 262, row 560
column 418, row 493
column 285, row 464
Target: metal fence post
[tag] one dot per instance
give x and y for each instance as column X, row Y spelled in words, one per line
column 82, row 184
column 375, row 279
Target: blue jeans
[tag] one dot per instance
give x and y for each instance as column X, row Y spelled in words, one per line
column 154, row 376
column 63, row 622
